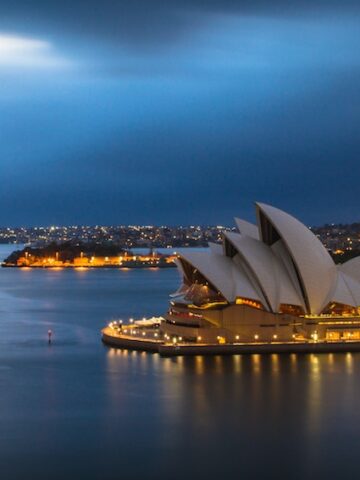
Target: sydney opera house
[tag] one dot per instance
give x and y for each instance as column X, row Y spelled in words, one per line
column 270, row 282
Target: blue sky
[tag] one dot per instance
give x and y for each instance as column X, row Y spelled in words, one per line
column 145, row 112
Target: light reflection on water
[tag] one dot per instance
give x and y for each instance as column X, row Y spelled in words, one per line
column 281, row 408
column 78, row 409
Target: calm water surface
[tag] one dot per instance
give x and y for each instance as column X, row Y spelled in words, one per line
column 77, row 409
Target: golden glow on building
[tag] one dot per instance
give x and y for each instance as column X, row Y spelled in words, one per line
column 206, row 306
column 248, row 302
column 339, row 334
column 291, row 309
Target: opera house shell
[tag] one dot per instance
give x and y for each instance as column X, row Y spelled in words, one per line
column 270, row 282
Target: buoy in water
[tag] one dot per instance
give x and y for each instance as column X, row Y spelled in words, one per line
column 49, row 336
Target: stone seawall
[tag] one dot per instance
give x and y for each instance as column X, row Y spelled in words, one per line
column 169, row 350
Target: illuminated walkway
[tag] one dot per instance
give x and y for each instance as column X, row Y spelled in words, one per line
column 149, row 340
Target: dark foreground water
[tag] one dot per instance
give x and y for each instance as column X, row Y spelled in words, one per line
column 79, row 410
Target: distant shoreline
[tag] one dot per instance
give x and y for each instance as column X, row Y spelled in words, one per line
column 90, row 267
column 69, row 255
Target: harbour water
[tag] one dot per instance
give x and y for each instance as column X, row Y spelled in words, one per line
column 77, row 409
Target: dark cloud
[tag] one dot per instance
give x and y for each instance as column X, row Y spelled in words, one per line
column 266, row 109
column 146, row 23
column 207, row 164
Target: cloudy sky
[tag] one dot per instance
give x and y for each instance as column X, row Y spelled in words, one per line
column 185, row 111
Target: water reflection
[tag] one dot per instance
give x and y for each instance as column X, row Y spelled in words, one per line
column 80, row 409
column 290, row 403
column 349, row 363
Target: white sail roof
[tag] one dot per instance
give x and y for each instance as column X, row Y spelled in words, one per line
column 316, row 269
column 286, row 265
column 223, row 273
column 350, row 272
column 343, row 291
column 280, row 251
column 354, row 287
column 215, row 248
column 270, row 274
column 247, row 228
column 183, row 288
column 352, row 268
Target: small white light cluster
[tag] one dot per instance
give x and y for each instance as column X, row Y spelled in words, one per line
column 115, row 323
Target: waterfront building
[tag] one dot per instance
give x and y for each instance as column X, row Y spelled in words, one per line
column 270, row 282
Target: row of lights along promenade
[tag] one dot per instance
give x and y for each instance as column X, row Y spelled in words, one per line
column 147, row 335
